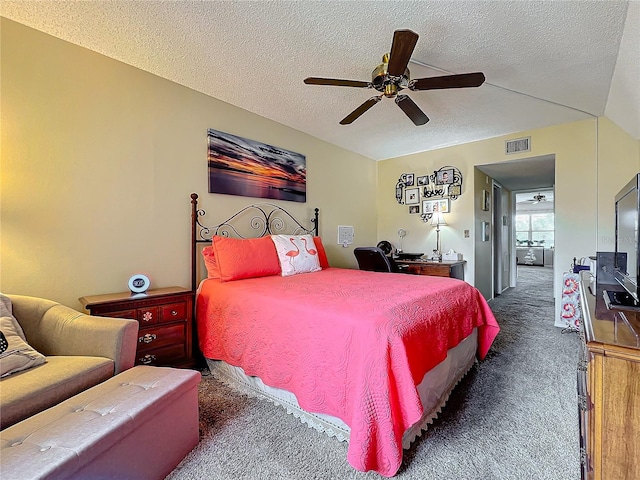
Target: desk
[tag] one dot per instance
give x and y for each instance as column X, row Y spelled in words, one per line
column 452, row 269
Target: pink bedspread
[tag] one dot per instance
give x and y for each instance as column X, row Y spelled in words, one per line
column 348, row 343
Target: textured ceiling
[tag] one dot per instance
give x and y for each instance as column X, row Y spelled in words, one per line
column 546, row 62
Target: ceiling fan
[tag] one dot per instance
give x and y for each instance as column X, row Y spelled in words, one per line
column 537, row 199
column 392, row 76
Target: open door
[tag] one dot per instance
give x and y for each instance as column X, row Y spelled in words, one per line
column 501, row 239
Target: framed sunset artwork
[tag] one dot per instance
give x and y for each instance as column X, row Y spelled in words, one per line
column 239, row 166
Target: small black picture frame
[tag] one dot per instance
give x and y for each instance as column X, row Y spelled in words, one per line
column 414, row 209
column 444, row 176
column 486, row 200
column 409, row 179
column 423, row 180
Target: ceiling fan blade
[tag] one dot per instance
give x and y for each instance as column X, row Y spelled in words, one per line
column 359, row 111
column 336, row 82
column 461, row 80
column 412, row 110
column 404, row 41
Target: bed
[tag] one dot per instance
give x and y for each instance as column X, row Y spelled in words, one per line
column 366, row 357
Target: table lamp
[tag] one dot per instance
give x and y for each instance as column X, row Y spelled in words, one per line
column 436, row 220
column 401, row 233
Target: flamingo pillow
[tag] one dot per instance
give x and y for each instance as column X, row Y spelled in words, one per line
column 297, row 254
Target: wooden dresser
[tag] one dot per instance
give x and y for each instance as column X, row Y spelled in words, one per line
column 166, row 322
column 453, row 269
column 608, row 388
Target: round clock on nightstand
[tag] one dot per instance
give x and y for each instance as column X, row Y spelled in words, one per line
column 139, row 283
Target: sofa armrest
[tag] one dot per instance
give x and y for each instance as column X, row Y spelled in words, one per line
column 54, row 329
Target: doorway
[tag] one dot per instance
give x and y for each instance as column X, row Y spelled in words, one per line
column 506, row 179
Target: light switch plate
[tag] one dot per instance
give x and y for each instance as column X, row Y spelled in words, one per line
column 345, row 235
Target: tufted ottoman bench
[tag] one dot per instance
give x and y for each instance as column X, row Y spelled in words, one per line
column 137, row 425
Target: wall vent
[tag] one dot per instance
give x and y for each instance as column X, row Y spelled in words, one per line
column 518, row 145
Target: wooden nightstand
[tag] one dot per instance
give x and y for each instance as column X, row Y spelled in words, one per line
column 166, row 322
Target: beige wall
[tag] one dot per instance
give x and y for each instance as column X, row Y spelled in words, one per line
column 617, row 151
column 594, row 158
column 99, row 159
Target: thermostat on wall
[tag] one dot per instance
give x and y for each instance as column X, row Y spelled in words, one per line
column 139, row 283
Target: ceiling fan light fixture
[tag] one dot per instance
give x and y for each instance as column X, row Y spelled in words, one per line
column 538, row 198
column 381, row 80
column 390, row 90
column 392, row 76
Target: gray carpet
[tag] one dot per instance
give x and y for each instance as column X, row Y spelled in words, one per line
column 514, row 416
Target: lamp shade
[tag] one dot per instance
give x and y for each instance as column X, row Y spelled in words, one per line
column 437, row 219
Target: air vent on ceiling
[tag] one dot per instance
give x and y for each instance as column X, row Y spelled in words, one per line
column 518, row 145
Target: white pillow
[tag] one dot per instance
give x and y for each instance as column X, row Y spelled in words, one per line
column 18, row 355
column 297, row 254
column 6, row 310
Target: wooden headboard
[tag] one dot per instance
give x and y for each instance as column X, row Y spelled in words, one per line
column 253, row 221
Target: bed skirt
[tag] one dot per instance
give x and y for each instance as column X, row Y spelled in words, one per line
column 434, row 390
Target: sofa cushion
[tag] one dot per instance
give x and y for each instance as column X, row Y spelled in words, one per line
column 31, row 391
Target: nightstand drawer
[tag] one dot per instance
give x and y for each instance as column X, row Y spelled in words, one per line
column 150, row 338
column 173, row 312
column 162, row 356
column 147, row 316
column 130, row 314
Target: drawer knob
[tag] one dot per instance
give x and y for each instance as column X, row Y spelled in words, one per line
column 147, row 359
column 147, row 338
column 147, row 317
column 174, row 312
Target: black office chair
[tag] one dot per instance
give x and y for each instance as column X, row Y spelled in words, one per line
column 372, row 259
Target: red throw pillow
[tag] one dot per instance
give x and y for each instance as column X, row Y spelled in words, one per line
column 245, row 258
column 322, row 255
column 210, row 262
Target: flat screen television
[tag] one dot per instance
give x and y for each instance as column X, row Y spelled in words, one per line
column 627, row 258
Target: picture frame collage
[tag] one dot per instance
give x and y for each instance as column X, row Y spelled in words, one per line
column 426, row 194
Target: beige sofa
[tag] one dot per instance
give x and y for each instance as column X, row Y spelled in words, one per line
column 81, row 351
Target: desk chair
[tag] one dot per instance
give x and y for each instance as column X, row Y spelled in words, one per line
column 372, row 259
